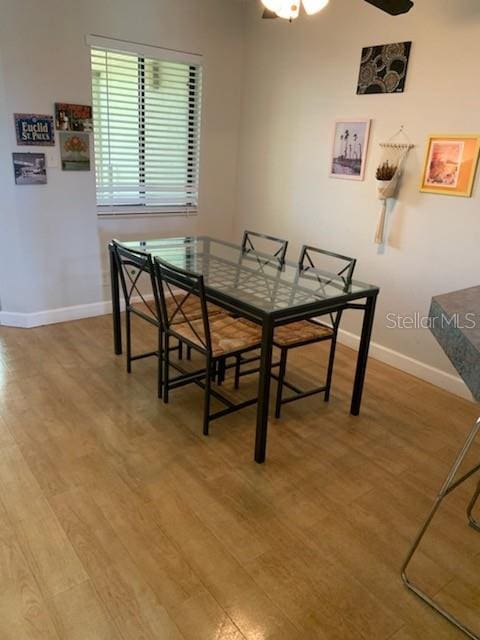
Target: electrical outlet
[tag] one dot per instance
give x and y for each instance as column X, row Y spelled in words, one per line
column 52, row 158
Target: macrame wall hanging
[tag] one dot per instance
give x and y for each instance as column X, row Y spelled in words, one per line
column 389, row 174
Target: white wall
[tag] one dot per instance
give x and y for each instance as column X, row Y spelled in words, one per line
column 53, row 245
column 299, row 78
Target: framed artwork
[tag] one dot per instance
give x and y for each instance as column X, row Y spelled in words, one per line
column 73, row 117
column 75, row 151
column 29, row 168
column 383, row 68
column 450, row 164
column 34, row 129
column 350, row 146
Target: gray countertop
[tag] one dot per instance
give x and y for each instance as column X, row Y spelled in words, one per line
column 455, row 323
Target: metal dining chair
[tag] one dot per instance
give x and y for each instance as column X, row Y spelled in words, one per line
column 307, row 332
column 213, row 336
column 262, row 250
column 279, row 245
column 132, row 265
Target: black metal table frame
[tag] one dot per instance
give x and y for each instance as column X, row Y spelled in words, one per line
column 268, row 321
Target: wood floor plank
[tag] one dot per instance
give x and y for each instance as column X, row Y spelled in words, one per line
column 462, row 598
column 6, row 436
column 162, row 564
column 79, row 615
column 128, row 598
column 201, row 618
column 248, row 606
column 20, row 493
column 23, row 611
column 50, row 555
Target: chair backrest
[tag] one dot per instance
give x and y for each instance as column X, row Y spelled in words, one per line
column 280, row 246
column 132, row 264
column 343, row 266
column 177, row 289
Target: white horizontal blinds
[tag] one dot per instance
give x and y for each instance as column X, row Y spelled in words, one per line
column 146, row 128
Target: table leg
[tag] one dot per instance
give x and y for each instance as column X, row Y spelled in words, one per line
column 117, row 326
column 367, row 326
column 264, row 391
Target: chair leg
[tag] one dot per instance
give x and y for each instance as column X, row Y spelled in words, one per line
column 180, row 350
column 128, row 331
column 160, row 364
column 449, row 485
column 189, row 352
column 238, row 362
column 331, row 360
column 166, row 368
column 221, row 371
column 281, row 377
column 206, row 401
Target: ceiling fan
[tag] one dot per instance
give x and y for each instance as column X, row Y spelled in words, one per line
column 290, row 9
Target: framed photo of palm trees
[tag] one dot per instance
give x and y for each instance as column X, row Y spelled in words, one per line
column 350, row 147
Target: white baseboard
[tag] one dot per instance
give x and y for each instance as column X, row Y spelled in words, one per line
column 52, row 316
column 435, row 376
column 440, row 378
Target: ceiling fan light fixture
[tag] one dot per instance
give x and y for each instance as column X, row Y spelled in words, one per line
column 287, row 9
column 272, row 5
column 314, row 6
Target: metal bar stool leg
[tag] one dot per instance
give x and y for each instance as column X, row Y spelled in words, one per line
column 475, row 524
column 449, row 485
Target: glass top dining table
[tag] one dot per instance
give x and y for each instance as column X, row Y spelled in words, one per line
column 261, row 288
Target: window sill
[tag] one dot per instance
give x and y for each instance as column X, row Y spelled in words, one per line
column 156, row 213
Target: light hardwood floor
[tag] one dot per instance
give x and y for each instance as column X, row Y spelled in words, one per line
column 120, row 521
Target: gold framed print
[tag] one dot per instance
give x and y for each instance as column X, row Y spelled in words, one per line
column 450, row 164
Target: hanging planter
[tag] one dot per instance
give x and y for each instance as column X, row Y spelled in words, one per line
column 388, row 176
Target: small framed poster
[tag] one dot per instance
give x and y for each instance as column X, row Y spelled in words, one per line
column 29, row 168
column 350, row 146
column 450, row 164
column 75, row 151
column 34, row 129
column 73, row 117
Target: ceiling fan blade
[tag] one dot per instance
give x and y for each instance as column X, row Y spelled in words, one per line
column 268, row 15
column 393, row 7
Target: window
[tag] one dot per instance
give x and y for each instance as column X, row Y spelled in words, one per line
column 146, row 110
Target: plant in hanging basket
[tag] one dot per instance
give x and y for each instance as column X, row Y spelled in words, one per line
column 386, row 171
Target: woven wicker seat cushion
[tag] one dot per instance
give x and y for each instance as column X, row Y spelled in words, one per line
column 228, row 334
column 191, row 308
column 298, row 332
